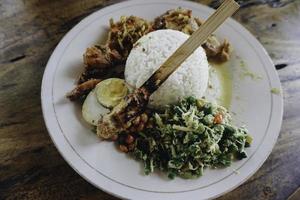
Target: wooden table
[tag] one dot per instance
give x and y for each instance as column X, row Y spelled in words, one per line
column 30, row 165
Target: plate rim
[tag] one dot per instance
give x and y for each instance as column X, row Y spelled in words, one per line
column 74, row 30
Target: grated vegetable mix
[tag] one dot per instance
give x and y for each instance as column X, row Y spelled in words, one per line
column 188, row 137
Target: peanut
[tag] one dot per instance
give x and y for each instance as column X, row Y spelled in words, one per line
column 123, row 148
column 114, row 137
column 129, row 139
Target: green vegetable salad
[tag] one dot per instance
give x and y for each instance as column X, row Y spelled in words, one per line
column 190, row 136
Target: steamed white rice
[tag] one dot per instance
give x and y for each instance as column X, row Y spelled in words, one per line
column 190, row 79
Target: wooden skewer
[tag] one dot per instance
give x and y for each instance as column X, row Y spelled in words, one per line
column 228, row 8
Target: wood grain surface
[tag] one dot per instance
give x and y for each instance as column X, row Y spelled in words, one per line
column 30, row 165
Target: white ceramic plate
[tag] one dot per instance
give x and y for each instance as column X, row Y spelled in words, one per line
column 99, row 162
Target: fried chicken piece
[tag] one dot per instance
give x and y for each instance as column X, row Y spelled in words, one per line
column 126, row 32
column 177, row 19
column 216, row 52
column 101, row 57
column 89, row 74
column 106, row 61
column 116, row 71
column 82, row 90
column 125, row 116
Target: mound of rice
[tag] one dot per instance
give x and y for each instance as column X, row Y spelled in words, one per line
column 150, row 51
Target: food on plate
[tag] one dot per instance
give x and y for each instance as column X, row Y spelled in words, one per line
column 166, row 124
column 126, row 32
column 149, row 52
column 111, row 91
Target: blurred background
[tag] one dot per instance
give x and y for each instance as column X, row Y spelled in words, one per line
column 30, row 165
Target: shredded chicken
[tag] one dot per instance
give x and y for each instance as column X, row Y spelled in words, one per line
column 116, row 71
column 106, row 61
column 123, row 117
column 177, row 19
column 101, row 57
column 126, row 32
column 217, row 52
column 82, row 90
column 182, row 20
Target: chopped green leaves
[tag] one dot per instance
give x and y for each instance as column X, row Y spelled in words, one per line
column 185, row 139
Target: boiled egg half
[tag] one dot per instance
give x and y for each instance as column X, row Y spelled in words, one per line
column 106, row 94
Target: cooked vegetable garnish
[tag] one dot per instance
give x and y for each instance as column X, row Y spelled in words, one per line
column 190, row 136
